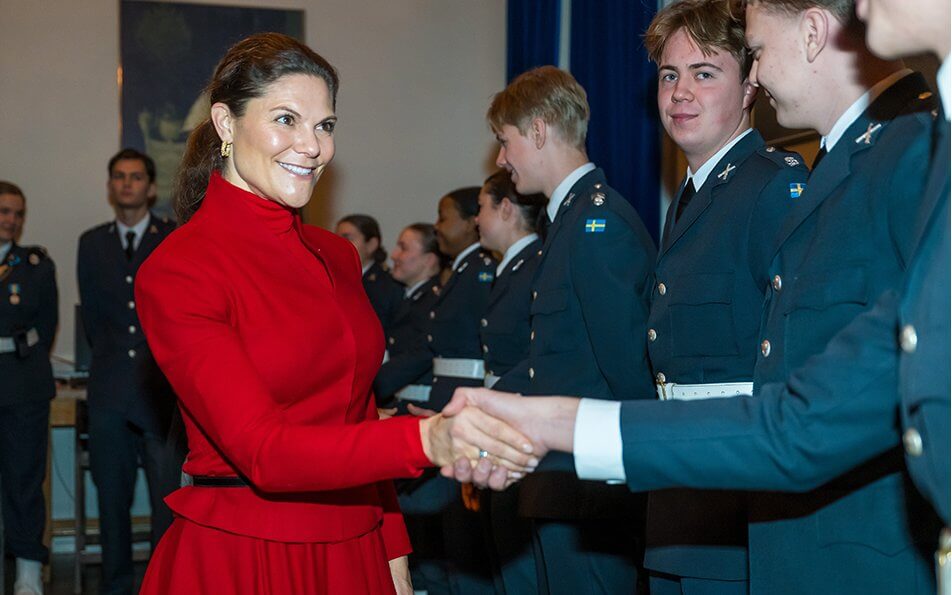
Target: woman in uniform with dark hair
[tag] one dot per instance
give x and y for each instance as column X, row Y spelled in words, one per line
column 509, row 224
column 385, row 294
column 262, row 327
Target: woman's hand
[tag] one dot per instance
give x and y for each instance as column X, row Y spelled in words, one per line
column 400, row 572
column 473, row 434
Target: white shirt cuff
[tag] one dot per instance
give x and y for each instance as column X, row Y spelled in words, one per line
column 597, row 445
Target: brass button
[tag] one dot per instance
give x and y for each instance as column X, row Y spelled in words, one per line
column 485, row 348
column 652, row 335
column 777, row 283
column 662, row 289
column 132, row 353
column 661, row 378
column 432, row 314
column 129, row 279
column 132, row 305
column 391, row 340
column 912, row 442
column 908, row 339
column 484, row 323
column 132, row 329
column 532, row 336
column 535, row 294
column 429, row 338
column 531, row 373
column 765, row 348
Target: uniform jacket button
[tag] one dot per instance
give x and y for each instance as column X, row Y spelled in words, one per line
column 765, row 348
column 429, row 338
column 484, row 323
column 777, row 283
column 532, row 336
column 531, row 373
column 912, row 442
column 535, row 294
column 391, row 340
column 132, row 305
column 652, row 334
column 485, row 348
column 129, row 279
column 432, row 314
column 132, row 353
column 662, row 289
column 132, row 329
column 908, row 339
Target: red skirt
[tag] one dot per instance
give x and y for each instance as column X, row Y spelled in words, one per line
column 192, row 558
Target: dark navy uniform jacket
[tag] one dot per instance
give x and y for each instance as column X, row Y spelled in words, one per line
column 849, row 239
column 589, row 313
column 505, row 336
column 883, row 379
column 28, row 300
column 407, row 334
column 385, row 294
column 123, row 376
column 704, row 329
column 452, row 331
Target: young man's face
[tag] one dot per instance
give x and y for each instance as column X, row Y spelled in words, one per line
column 129, row 185
column 519, row 155
column 701, row 99
column 780, row 65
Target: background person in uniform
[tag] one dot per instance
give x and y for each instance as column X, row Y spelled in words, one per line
column 850, row 238
column 714, row 257
column 509, row 224
column 385, row 294
column 588, row 323
column 28, row 318
column 130, row 401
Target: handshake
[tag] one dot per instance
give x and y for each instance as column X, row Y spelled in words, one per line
column 493, row 439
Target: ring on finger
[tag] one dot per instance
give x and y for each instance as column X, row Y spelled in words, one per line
column 483, row 454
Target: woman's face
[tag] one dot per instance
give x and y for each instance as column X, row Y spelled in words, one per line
column 410, row 263
column 283, row 141
column 453, row 232
column 492, row 222
column 365, row 247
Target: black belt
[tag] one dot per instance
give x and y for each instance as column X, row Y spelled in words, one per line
column 212, row 481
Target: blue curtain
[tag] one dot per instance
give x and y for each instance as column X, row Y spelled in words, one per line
column 532, row 36
column 608, row 59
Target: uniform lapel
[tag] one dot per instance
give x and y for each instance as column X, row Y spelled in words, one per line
column 937, row 185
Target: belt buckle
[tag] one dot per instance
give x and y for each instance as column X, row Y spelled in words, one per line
column 664, row 392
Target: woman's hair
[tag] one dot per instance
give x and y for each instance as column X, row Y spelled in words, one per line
column 11, row 188
column 427, row 234
column 246, row 72
column 466, row 201
column 370, row 229
column 531, row 206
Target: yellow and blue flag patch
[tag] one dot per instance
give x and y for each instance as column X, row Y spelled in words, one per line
column 594, row 226
column 797, row 189
column 485, row 277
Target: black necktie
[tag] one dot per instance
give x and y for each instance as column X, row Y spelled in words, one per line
column 819, row 157
column 130, row 244
column 686, row 195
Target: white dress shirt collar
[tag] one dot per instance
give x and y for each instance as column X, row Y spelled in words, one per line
column 944, row 80
column 138, row 229
column 700, row 176
column 4, row 250
column 409, row 291
column 562, row 190
column 466, row 252
column 859, row 106
column 366, row 267
column 516, row 248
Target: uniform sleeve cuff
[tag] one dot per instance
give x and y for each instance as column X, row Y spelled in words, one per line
column 597, row 446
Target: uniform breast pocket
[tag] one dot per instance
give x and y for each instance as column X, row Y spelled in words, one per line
column 820, row 304
column 553, row 331
column 702, row 315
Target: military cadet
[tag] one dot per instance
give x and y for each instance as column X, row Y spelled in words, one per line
column 712, row 270
column 385, row 294
column 850, row 237
column 130, row 401
column 509, row 223
column 588, row 315
column 28, row 317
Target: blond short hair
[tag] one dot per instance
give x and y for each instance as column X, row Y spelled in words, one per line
column 548, row 93
column 714, row 25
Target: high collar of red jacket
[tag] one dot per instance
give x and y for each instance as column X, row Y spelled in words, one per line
column 230, row 204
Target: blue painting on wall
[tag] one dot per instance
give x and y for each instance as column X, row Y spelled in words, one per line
column 168, row 52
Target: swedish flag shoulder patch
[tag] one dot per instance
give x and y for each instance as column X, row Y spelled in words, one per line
column 485, row 277
column 796, row 189
column 594, row 226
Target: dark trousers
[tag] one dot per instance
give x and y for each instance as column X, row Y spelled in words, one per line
column 24, row 439
column 423, row 501
column 116, row 448
column 468, row 558
column 510, row 542
column 586, row 557
column 667, row 584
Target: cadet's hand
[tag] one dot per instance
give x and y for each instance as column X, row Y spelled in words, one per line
column 386, row 412
column 470, row 431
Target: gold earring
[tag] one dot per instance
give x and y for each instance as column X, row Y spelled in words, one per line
column 225, row 149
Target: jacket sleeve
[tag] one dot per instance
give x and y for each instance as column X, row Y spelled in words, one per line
column 611, row 273
column 49, row 308
column 401, row 370
column 86, row 280
column 186, row 315
column 836, row 411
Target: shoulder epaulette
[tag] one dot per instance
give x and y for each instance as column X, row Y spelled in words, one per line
column 36, row 254
column 781, row 157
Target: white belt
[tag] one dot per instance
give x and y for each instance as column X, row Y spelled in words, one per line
column 690, row 392
column 8, row 345
column 459, row 368
column 418, row 393
column 490, row 380
column 943, row 564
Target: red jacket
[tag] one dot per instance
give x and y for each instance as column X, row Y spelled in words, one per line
column 263, row 328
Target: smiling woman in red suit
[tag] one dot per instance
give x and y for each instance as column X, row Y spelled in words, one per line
column 263, row 328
